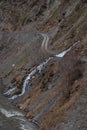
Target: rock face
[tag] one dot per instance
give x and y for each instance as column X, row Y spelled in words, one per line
column 43, row 60
column 15, row 14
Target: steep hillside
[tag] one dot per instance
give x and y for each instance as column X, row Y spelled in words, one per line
column 15, row 14
column 43, row 53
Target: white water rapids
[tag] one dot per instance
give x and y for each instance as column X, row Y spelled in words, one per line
column 38, row 68
column 10, row 113
column 9, row 91
column 34, row 70
column 62, row 54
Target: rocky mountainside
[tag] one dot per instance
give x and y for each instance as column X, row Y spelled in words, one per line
column 16, row 14
column 43, row 61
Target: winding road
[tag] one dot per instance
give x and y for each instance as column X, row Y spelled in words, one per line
column 44, row 45
column 38, row 68
column 45, row 42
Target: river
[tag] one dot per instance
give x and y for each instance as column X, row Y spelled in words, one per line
column 11, row 118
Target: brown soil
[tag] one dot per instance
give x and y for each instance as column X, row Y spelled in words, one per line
column 55, row 95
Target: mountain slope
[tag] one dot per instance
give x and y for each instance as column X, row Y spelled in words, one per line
column 43, row 52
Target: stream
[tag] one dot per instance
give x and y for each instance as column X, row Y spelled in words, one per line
column 36, row 70
column 12, row 118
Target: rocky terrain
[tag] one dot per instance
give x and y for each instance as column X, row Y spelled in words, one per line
column 43, row 63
